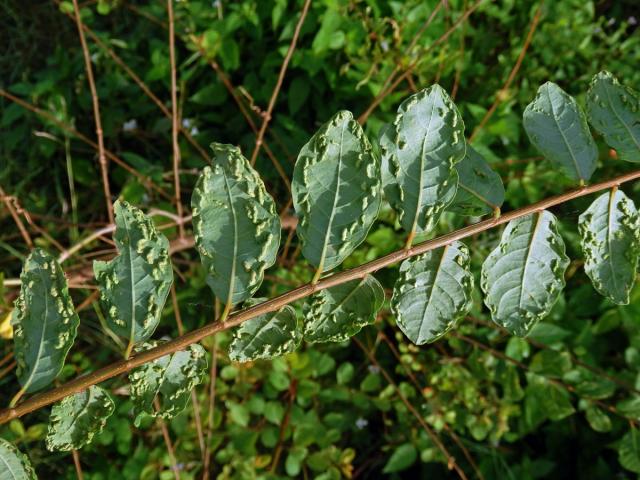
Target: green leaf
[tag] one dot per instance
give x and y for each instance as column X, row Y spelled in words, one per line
column 480, row 189
column 44, row 322
column 335, row 314
column 336, row 191
column 236, row 226
column 14, row 465
column 266, row 336
column 598, row 419
column 402, row 458
column 433, row 292
column 613, row 110
column 610, row 231
column 629, row 451
column 557, row 126
column 77, row 418
column 419, row 153
column 524, row 275
column 170, row 379
column 135, row 284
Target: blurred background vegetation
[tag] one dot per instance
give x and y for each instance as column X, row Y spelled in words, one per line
column 563, row 403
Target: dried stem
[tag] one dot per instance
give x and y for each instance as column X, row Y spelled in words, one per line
column 66, row 128
column 102, row 159
column 175, row 121
column 81, row 383
column 384, row 93
column 501, row 94
column 276, row 90
column 451, row 461
column 76, row 462
column 167, row 441
column 16, row 218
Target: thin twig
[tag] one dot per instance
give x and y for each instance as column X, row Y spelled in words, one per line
column 194, row 395
column 502, row 93
column 445, row 425
column 383, row 94
column 276, row 90
column 66, row 128
column 451, row 461
column 81, row 383
column 143, row 86
column 8, row 201
column 167, row 441
column 175, row 121
column 102, row 159
column 213, row 375
column 76, row 462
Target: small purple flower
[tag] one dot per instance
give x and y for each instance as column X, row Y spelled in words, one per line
column 632, row 20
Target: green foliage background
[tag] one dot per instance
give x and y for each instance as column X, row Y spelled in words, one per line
column 326, row 411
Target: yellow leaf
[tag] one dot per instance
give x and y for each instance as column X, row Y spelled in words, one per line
column 6, row 330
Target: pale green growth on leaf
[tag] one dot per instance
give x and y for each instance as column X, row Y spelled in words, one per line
column 236, row 226
column 44, row 322
column 557, row 127
column 614, row 111
column 168, row 379
column 610, row 231
column 480, row 189
column 135, row 284
column 14, row 465
column 433, row 292
column 266, row 336
column 523, row 277
column 420, row 150
column 337, row 313
column 336, row 191
column 77, row 418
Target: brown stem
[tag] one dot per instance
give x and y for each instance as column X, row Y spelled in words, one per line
column 500, row 95
column 16, row 218
column 451, row 461
column 383, row 94
column 66, row 128
column 276, row 90
column 76, row 462
column 102, row 159
column 167, row 441
column 175, row 121
column 81, row 383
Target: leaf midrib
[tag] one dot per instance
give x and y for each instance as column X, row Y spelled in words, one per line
column 414, row 227
column 29, row 380
column 335, row 201
column 232, row 279
column 564, row 138
column 9, row 467
column 526, row 259
column 132, row 284
column 633, row 138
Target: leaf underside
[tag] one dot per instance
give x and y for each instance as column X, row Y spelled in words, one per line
column 266, row 336
column 170, row 379
column 336, row 191
column 610, row 232
column 480, row 189
column 135, row 284
column 44, row 322
column 558, row 128
column 524, row 275
column 14, row 465
column 614, row 111
column 433, row 292
column 419, row 152
column 236, row 226
column 77, row 418
column 335, row 314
